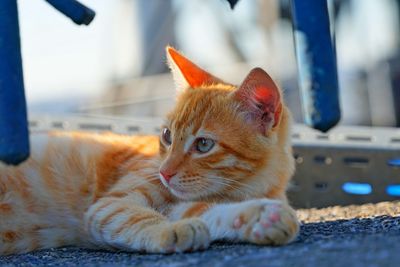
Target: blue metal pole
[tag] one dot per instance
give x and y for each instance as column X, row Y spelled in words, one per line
column 14, row 142
column 316, row 60
column 79, row 13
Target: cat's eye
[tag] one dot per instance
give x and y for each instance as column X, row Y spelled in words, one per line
column 166, row 136
column 204, row 145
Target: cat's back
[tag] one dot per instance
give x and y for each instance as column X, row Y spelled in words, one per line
column 62, row 161
column 65, row 173
column 61, row 148
column 47, row 195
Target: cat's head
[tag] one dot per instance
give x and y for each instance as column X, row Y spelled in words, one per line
column 224, row 141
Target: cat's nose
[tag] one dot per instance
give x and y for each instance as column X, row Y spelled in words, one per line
column 167, row 176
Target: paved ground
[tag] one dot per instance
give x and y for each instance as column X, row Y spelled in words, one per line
column 367, row 235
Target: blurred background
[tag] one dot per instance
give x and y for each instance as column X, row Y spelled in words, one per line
column 116, row 65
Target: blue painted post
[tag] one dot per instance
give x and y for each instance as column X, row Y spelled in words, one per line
column 316, row 60
column 14, row 143
column 14, row 140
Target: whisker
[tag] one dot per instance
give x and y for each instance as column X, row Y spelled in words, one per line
column 233, row 183
column 241, row 188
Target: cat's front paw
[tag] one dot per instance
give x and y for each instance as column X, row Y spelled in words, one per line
column 184, row 235
column 267, row 222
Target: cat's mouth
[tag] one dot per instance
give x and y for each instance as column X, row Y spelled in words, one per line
column 189, row 192
column 176, row 191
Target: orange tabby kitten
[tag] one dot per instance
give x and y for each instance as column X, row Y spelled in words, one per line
column 218, row 172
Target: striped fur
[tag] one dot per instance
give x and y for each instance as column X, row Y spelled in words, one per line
column 106, row 190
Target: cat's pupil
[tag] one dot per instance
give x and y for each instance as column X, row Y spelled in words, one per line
column 166, row 135
column 204, row 145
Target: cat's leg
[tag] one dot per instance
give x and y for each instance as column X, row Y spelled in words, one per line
column 128, row 223
column 259, row 221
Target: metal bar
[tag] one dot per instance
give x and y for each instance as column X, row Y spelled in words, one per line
column 79, row 13
column 14, row 141
column 232, row 3
column 316, row 62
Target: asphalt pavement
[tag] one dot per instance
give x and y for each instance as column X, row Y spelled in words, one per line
column 365, row 235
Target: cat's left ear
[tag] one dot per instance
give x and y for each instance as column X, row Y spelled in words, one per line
column 261, row 100
column 186, row 73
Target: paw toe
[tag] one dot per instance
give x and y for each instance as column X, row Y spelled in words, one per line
column 191, row 234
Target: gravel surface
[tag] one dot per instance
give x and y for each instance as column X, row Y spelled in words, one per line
column 366, row 235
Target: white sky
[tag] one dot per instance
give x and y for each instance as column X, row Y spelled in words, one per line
column 64, row 60
column 61, row 58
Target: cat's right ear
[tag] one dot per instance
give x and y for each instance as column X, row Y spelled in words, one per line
column 261, row 100
column 187, row 74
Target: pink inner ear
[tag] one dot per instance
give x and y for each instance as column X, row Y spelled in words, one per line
column 261, row 98
column 194, row 75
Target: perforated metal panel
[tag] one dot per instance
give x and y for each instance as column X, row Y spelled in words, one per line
column 350, row 165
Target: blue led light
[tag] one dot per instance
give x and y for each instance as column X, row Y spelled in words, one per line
column 357, row 188
column 394, row 162
column 393, row 190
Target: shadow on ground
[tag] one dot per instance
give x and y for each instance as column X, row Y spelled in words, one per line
column 353, row 242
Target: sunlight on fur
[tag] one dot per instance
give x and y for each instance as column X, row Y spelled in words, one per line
column 218, row 171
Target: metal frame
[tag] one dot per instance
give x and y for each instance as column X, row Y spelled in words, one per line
column 350, row 165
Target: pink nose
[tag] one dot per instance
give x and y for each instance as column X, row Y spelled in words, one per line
column 167, row 176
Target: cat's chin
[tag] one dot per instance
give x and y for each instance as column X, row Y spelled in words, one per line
column 182, row 194
column 179, row 193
